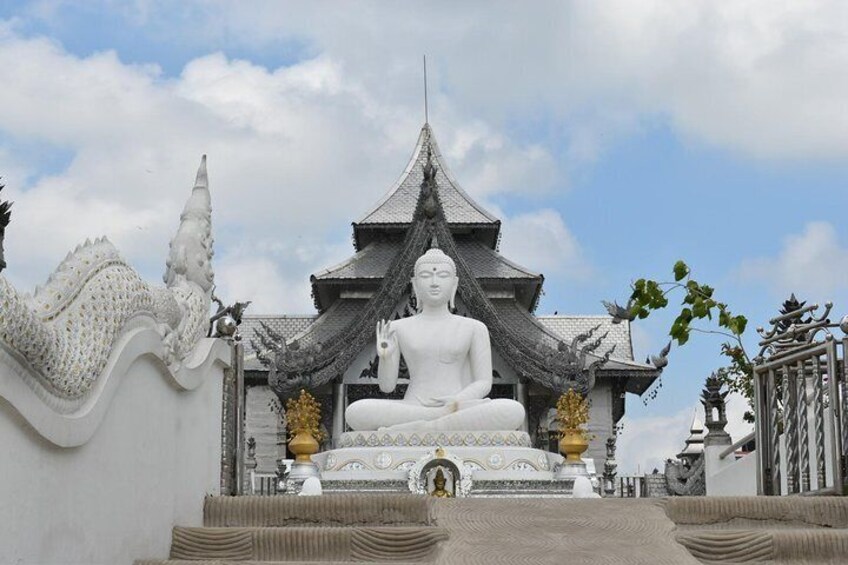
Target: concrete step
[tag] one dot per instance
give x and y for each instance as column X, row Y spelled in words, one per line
column 219, row 562
column 308, row 543
column 338, row 509
column 749, row 512
column 814, row 546
column 776, row 530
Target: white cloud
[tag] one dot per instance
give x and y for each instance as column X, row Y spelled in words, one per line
column 737, row 427
column 295, row 153
column 260, row 280
column 543, row 243
column 813, row 263
column 763, row 78
column 270, row 272
column 647, row 442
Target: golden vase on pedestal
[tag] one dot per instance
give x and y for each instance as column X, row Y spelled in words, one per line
column 303, row 445
column 572, row 444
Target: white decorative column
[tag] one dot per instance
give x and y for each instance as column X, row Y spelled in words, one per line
column 521, row 396
column 339, row 405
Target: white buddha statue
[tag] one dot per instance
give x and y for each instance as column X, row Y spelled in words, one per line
column 449, row 360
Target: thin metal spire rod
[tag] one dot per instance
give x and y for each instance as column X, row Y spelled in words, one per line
column 426, row 110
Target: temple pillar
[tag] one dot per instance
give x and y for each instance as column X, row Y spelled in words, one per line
column 521, row 396
column 339, row 405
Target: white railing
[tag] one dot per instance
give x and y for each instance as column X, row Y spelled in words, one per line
column 733, row 448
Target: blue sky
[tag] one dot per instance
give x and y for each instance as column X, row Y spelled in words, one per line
column 612, row 140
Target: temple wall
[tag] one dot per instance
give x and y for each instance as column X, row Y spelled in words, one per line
column 264, row 423
column 600, row 422
column 114, row 498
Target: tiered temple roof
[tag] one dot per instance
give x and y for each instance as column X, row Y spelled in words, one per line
column 427, row 206
column 395, row 211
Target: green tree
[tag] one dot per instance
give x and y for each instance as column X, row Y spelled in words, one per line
column 698, row 305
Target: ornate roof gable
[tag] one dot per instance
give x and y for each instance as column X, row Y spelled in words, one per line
column 559, row 367
column 397, row 207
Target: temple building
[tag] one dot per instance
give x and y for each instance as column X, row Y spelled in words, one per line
column 332, row 353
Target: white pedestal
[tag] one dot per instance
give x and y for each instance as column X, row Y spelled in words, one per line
column 500, row 463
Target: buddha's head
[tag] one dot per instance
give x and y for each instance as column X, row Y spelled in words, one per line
column 434, row 281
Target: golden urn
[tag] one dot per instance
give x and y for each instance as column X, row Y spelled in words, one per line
column 303, row 445
column 572, row 444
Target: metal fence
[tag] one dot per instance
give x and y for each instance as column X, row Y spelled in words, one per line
column 631, row 486
column 263, row 484
column 801, row 403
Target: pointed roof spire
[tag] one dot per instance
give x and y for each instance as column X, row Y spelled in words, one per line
column 426, row 109
column 696, row 428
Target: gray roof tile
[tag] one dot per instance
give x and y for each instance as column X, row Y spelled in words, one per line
column 287, row 326
column 330, row 323
column 565, row 328
column 307, row 330
column 373, row 263
column 570, row 326
column 370, row 263
column 399, row 203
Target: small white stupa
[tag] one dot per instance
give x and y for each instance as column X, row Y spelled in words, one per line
column 695, row 442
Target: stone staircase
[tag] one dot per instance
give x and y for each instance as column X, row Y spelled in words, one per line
column 334, row 528
column 398, row 528
column 778, row 530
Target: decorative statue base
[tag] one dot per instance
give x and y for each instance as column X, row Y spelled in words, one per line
column 487, row 467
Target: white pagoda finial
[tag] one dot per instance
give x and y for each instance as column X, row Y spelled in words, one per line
column 190, row 258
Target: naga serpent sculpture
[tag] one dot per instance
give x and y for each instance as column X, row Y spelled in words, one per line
column 63, row 340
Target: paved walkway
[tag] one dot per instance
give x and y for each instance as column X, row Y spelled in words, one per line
column 556, row 531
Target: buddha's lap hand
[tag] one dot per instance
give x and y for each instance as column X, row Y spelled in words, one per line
column 457, row 404
column 431, row 402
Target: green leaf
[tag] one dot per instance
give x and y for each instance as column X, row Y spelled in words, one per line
column 741, row 323
column 676, row 329
column 680, row 271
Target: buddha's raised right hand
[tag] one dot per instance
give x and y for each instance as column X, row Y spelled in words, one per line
column 386, row 339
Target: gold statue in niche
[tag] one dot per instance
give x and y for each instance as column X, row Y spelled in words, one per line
column 439, row 484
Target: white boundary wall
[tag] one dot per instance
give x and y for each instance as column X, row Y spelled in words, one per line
column 115, row 498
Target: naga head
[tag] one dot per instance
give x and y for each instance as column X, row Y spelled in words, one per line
column 5, row 217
